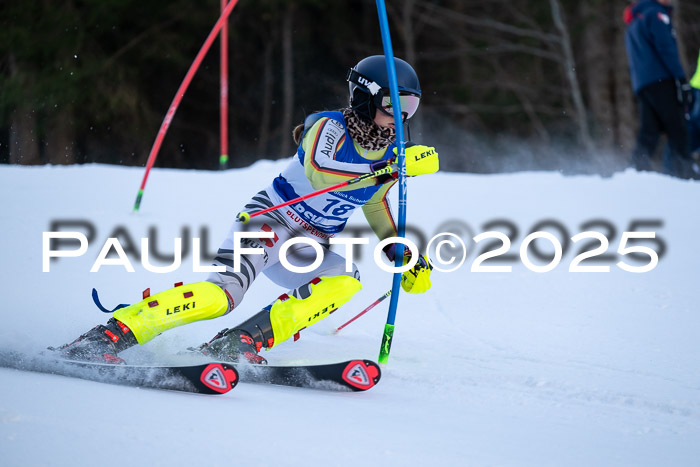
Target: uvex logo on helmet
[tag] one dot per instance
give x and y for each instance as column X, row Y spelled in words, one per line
column 371, row 85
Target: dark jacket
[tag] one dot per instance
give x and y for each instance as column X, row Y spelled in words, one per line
column 651, row 45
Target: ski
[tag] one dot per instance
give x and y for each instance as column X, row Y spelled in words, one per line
column 207, row 378
column 354, row 375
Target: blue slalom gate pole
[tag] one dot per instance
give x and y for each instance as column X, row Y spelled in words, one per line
column 401, row 146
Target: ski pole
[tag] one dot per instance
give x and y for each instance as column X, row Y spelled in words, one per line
column 376, row 302
column 246, row 216
column 178, row 97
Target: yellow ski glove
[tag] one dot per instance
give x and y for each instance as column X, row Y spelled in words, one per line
column 417, row 279
column 420, row 160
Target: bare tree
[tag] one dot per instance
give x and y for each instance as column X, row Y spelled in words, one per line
column 491, row 38
column 24, row 138
column 24, row 141
column 569, row 65
column 625, row 113
column 597, row 64
column 266, row 101
column 61, row 137
column 287, row 80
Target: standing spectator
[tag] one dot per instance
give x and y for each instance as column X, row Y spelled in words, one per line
column 694, row 126
column 660, row 84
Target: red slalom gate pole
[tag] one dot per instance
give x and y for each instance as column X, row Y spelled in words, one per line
column 178, row 97
column 223, row 92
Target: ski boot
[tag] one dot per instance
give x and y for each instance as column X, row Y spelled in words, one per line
column 100, row 344
column 284, row 319
column 241, row 344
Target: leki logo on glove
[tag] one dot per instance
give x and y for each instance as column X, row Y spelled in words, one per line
column 423, row 155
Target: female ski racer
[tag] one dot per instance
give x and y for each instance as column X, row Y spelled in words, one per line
column 332, row 147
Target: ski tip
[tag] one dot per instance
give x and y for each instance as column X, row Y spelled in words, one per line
column 361, row 375
column 220, row 378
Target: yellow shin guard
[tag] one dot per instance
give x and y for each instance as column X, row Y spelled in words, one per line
column 183, row 304
column 289, row 315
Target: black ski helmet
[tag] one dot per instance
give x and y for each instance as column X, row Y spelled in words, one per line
column 369, row 86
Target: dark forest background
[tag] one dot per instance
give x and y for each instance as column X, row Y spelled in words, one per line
column 507, row 84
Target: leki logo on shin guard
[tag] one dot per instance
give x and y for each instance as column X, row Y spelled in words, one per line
column 329, row 309
column 179, row 308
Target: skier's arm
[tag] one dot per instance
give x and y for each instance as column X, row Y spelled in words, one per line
column 420, row 160
column 377, row 211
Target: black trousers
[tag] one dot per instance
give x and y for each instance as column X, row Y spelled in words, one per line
column 661, row 112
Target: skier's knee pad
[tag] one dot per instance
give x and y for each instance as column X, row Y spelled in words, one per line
column 183, row 304
column 318, row 299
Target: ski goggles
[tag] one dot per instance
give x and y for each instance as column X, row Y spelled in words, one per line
column 382, row 97
column 408, row 102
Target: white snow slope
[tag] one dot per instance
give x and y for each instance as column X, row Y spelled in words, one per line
column 487, row 368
